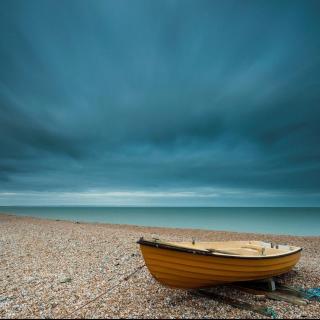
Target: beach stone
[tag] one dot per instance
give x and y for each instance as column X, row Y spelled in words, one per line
column 65, row 280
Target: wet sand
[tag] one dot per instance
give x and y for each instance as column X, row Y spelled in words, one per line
column 61, row 269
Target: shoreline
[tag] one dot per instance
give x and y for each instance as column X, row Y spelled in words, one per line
column 157, row 227
column 59, row 266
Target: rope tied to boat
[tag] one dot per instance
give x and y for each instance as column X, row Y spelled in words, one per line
column 105, row 292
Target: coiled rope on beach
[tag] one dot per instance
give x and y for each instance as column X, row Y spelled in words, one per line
column 313, row 293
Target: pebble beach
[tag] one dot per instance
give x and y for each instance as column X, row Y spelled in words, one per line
column 65, row 269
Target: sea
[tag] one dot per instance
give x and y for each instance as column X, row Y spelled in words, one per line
column 271, row 220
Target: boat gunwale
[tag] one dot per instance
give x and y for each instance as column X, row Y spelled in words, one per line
column 172, row 247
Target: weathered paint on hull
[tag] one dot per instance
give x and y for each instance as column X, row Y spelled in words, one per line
column 186, row 270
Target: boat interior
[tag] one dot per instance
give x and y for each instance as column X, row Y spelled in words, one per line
column 234, row 248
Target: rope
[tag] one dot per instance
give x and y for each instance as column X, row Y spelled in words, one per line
column 313, row 293
column 271, row 313
column 105, row 292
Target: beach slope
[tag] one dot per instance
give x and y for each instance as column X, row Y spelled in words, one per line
column 61, row 269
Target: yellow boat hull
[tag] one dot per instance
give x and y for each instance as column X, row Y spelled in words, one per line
column 187, row 270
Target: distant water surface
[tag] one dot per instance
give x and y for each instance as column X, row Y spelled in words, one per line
column 294, row 221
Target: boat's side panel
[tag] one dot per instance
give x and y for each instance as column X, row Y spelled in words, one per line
column 187, row 270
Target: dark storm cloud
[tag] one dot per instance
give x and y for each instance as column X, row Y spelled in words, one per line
column 173, row 95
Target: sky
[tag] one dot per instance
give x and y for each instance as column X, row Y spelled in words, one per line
column 160, row 103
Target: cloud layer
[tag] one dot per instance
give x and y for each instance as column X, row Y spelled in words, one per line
column 175, row 96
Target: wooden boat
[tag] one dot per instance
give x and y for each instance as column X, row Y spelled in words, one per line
column 204, row 264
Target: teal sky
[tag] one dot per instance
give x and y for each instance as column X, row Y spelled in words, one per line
column 173, row 103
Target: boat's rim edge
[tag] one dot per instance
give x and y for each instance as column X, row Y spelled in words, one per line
column 160, row 245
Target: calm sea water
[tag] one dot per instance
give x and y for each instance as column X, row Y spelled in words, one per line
column 295, row 221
